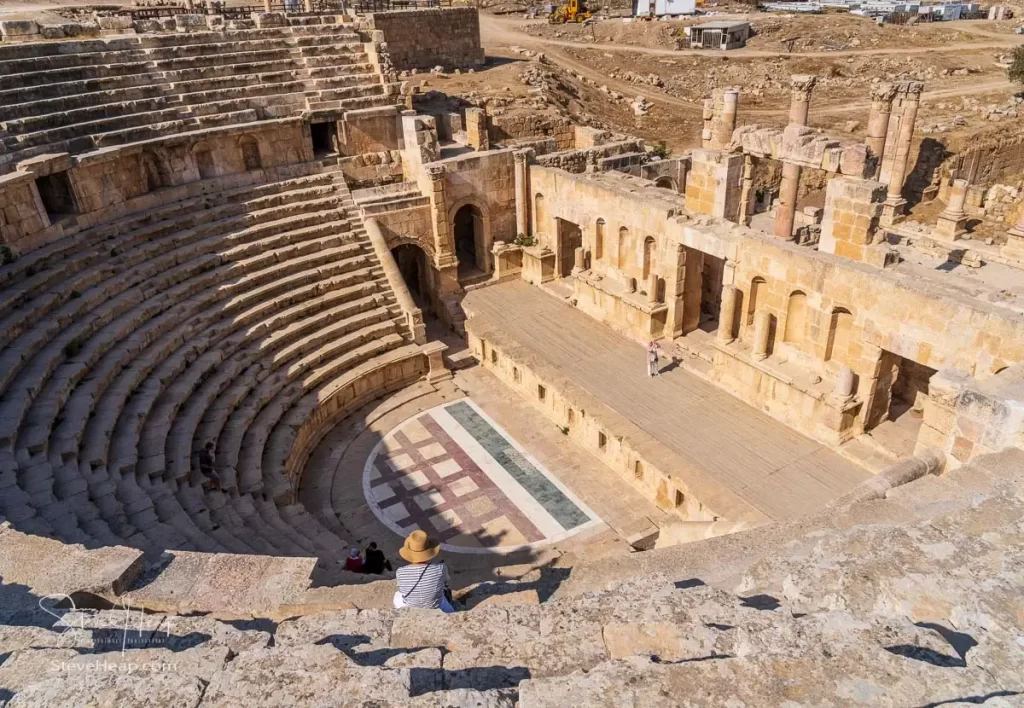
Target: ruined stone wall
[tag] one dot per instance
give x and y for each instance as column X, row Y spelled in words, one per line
column 21, row 212
column 423, row 39
column 507, row 127
column 106, row 184
column 371, row 130
column 577, row 160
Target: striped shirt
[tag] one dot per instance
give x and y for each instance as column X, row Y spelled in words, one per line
column 422, row 585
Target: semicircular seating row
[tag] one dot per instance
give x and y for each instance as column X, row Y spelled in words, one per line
column 76, row 96
column 223, row 317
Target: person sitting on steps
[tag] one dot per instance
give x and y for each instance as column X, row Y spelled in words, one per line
column 206, row 468
column 423, row 583
column 375, row 563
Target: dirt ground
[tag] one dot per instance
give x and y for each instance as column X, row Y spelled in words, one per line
column 561, row 68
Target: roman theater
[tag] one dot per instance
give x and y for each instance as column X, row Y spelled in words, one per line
column 389, row 305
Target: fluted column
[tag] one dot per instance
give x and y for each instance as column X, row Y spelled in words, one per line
column 892, row 211
column 522, row 193
column 882, row 96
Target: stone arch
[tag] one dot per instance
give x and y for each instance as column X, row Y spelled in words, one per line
column 203, row 156
column 539, row 216
column 599, row 239
column 756, row 286
column 649, row 252
column 795, row 331
column 623, row 247
column 154, row 171
column 470, row 224
column 666, row 182
column 840, row 329
column 250, row 149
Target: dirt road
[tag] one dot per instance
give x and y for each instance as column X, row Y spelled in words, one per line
column 500, row 33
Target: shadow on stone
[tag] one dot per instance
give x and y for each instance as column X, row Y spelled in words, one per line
column 761, row 602
column 689, row 583
column 478, row 678
column 974, row 700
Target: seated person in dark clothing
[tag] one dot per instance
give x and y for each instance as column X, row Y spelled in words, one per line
column 206, row 468
column 375, row 561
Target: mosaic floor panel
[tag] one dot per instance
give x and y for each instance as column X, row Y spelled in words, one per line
column 454, row 473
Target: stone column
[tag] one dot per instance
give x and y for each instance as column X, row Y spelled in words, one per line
column 762, row 328
column 727, row 314
column 709, row 116
column 725, row 121
column 522, row 193
column 799, row 109
column 892, row 211
column 843, row 391
column 785, row 216
column 800, row 102
column 652, row 288
column 266, row 5
column 882, row 96
column 952, row 222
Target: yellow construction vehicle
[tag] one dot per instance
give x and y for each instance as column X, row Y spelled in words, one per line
column 572, row 11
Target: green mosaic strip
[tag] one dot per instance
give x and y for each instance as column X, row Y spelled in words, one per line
column 564, row 511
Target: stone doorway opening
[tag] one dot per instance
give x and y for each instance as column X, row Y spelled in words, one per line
column 56, row 195
column 570, row 237
column 413, row 265
column 896, row 412
column 324, row 137
column 469, row 242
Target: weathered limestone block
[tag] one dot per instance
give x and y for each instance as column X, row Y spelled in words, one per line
column 850, row 221
column 114, row 22
column 17, row 30
column 189, row 23
column 265, row 20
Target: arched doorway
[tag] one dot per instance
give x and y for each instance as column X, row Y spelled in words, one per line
column 469, row 241
column 412, row 264
column 666, row 183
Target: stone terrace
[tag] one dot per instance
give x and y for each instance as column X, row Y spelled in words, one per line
column 77, row 96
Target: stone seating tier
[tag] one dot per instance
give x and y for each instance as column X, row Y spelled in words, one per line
column 223, row 316
column 77, row 96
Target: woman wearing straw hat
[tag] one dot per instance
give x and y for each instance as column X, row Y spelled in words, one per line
column 422, row 583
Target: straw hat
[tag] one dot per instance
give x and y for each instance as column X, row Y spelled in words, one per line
column 419, row 548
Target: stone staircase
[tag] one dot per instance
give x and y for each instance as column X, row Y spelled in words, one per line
column 909, row 599
column 74, row 97
column 226, row 315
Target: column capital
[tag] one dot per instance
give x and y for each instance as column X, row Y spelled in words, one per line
column 520, row 156
column 802, row 85
column 914, row 89
column 436, row 172
column 883, row 92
